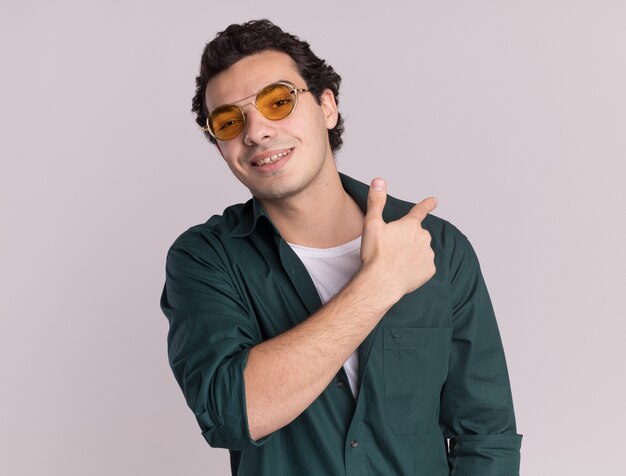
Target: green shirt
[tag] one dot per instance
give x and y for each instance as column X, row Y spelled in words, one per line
column 433, row 368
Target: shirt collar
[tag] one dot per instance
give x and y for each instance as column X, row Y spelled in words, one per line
column 253, row 210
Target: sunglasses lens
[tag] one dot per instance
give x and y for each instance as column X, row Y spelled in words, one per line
column 226, row 122
column 275, row 102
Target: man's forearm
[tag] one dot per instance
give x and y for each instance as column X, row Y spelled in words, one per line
column 285, row 374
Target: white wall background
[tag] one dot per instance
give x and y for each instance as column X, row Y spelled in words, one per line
column 512, row 113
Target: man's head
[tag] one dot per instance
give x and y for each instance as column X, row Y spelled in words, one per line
column 278, row 146
column 239, row 41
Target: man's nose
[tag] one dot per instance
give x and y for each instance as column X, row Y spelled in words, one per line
column 257, row 128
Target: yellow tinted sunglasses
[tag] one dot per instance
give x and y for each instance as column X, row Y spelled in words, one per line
column 274, row 102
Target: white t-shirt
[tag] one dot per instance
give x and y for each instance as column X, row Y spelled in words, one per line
column 331, row 269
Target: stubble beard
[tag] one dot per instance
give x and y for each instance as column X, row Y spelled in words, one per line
column 285, row 188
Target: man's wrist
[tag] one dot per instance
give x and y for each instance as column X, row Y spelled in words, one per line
column 369, row 283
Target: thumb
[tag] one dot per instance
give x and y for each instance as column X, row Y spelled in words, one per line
column 376, row 198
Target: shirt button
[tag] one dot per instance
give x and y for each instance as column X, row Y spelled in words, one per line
column 340, row 383
column 354, row 443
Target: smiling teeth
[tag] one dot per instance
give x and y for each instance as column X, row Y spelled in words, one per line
column 273, row 158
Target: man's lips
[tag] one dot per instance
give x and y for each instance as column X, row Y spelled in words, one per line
column 265, row 158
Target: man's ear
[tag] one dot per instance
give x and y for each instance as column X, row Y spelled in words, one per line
column 329, row 108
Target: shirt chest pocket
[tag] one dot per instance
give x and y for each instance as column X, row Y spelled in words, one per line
column 415, row 366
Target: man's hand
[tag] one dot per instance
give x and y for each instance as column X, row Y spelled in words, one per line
column 398, row 253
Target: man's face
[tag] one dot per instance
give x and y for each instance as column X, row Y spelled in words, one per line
column 302, row 136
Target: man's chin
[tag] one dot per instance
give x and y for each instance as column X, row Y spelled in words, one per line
column 272, row 194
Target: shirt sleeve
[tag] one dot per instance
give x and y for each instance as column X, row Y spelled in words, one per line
column 210, row 334
column 476, row 404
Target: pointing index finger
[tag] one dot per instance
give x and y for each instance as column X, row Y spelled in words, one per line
column 423, row 208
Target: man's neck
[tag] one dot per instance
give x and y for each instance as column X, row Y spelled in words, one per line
column 323, row 217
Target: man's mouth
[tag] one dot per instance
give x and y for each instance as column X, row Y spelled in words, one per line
column 270, row 158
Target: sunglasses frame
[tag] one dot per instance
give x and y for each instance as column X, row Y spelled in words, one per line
column 292, row 90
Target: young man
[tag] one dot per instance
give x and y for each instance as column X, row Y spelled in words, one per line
column 323, row 327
